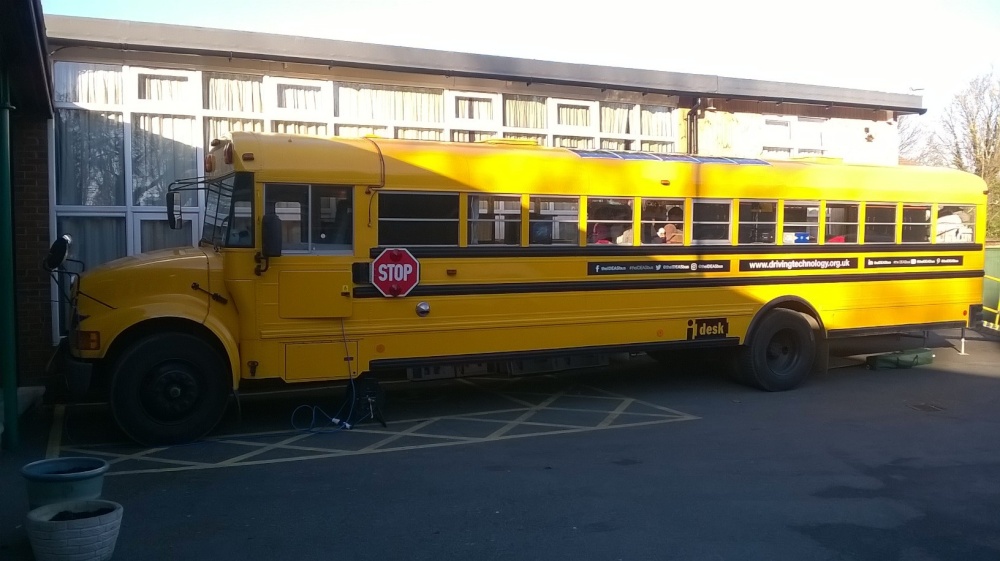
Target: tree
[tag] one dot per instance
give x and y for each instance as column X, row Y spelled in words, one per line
column 916, row 143
column 970, row 139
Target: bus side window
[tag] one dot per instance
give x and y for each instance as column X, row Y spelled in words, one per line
column 841, row 223
column 554, row 220
column 332, row 217
column 291, row 204
column 416, row 218
column 956, row 224
column 711, row 222
column 758, row 221
column 880, row 223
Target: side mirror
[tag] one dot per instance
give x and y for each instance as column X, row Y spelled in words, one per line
column 57, row 253
column 271, row 236
column 174, row 209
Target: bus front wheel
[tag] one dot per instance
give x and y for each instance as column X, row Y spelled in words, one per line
column 780, row 353
column 169, row 388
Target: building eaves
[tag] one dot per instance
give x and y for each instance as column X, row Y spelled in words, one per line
column 24, row 54
column 153, row 37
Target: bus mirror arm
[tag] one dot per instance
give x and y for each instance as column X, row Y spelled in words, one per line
column 270, row 242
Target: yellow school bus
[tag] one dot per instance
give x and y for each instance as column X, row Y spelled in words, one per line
column 326, row 259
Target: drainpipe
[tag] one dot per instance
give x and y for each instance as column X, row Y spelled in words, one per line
column 692, row 127
column 8, row 313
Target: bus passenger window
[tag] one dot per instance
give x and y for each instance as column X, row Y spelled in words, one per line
column 916, row 223
column 554, row 220
column 956, row 224
column 332, row 218
column 880, row 223
column 291, row 204
column 494, row 219
column 841, row 223
column 609, row 221
column 711, row 222
column 411, row 219
column 662, row 221
column 758, row 221
column 801, row 223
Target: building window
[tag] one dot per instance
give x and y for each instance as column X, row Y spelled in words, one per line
column 163, row 150
column 90, row 161
column 524, row 112
column 87, row 84
column 235, row 93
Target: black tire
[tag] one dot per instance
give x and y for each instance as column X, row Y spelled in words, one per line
column 169, row 388
column 781, row 352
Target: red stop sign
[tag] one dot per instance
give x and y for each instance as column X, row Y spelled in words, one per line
column 395, row 272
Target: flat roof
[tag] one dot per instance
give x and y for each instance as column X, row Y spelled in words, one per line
column 155, row 37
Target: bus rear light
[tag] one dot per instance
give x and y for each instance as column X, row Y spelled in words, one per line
column 248, row 157
column 209, row 163
column 228, row 154
column 88, row 340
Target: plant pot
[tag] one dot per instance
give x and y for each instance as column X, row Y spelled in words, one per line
column 74, row 530
column 64, row 479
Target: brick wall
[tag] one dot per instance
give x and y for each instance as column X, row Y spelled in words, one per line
column 30, row 178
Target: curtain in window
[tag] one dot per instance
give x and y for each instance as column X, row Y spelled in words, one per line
column 517, row 136
column 156, row 234
column 524, row 111
column 474, row 108
column 88, row 83
column 355, row 131
column 613, row 144
column 163, row 150
column 304, row 98
column 657, row 147
column 574, row 116
column 654, row 120
column 471, row 136
column 90, row 149
column 96, row 239
column 233, row 92
column 614, row 118
column 162, row 88
column 776, row 153
column 291, row 127
column 418, row 134
column 216, row 127
column 574, row 142
column 777, row 132
column 370, row 102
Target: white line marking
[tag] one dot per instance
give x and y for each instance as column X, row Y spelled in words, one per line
column 265, row 448
column 614, row 414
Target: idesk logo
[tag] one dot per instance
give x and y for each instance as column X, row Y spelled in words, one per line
column 707, row 328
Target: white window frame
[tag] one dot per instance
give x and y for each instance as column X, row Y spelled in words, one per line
column 323, row 114
column 454, row 123
column 189, row 103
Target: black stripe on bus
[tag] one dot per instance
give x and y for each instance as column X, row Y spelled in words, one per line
column 661, row 249
column 643, row 284
column 394, row 363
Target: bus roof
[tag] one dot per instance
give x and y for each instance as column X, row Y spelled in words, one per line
column 518, row 167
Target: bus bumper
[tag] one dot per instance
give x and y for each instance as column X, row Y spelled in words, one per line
column 76, row 372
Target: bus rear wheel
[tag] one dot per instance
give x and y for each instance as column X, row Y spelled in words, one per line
column 781, row 352
column 169, row 388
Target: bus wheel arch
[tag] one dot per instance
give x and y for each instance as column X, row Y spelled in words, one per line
column 169, row 382
column 784, row 343
column 220, row 342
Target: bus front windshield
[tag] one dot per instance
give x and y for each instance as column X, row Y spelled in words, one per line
column 229, row 211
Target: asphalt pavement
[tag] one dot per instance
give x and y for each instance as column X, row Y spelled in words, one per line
column 636, row 461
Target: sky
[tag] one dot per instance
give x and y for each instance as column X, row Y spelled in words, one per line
column 930, row 48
